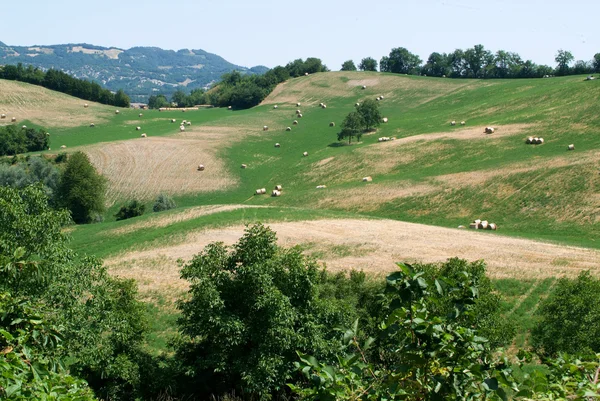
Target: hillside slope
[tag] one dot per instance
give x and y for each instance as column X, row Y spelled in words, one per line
column 139, row 70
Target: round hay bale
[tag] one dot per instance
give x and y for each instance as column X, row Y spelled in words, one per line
column 258, row 192
column 298, row 111
column 477, row 221
column 277, row 145
column 229, row 107
column 3, row 116
column 540, row 141
column 138, row 128
column 321, row 186
column 275, row 106
column 288, row 128
column 332, row 124
column 140, row 115
column 484, row 224
column 278, row 187
column 275, row 193
column 324, row 106
column 13, row 119
column 244, row 166
column 117, row 112
column 85, row 105
column 63, row 147
column 381, row 97
column 297, row 104
column 492, row 226
column 529, row 140
column 305, row 154
column 299, row 115
column 461, row 226
column 181, row 128
column 320, row 104
column 172, row 120
column 24, row 127
column 357, row 104
column 385, row 120
column 306, row 74
column 188, row 123
column 364, row 86
column 367, row 179
column 295, row 122
column 265, row 128
column 92, row 125
column 377, row 98
column 144, row 135
column 462, row 123
column 453, row 123
column 489, row 130
column 263, row 191
column 200, row 167
column 571, row 147
column 474, row 226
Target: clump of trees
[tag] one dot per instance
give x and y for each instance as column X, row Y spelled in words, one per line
column 133, row 208
column 62, row 82
column 163, row 202
column 366, row 117
column 14, row 140
column 368, row 64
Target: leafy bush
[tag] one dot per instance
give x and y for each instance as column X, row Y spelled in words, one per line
column 133, row 208
column 14, row 140
column 163, row 202
column 61, row 158
column 248, row 311
column 568, row 318
column 81, row 188
column 35, row 170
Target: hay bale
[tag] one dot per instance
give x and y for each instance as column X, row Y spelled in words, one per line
column 489, row 130
column 277, row 145
column 92, row 125
column 492, row 226
column 244, row 166
column 144, row 135
column 357, row 104
column 321, row 186
column 529, row 140
column 385, row 120
column 139, row 115
column 172, row 120
column 379, row 139
column 364, row 86
column 484, row 224
column 461, row 226
column 381, row 97
column 24, row 127
column 297, row 104
column 306, row 74
column 320, row 104
column 540, row 141
column 181, row 128
column 13, row 119
column 188, row 123
column 63, row 147
column 477, row 221
column 462, row 123
column 377, row 98
column 367, row 179
column 474, row 226
column 452, row 123
column 571, row 147
column 298, row 111
column 288, row 128
column 275, row 106
column 275, row 193
column 138, row 128
column 85, row 105
column 305, row 154
column 332, row 124
column 324, row 106
column 3, row 116
column 258, row 192
column 278, row 187
column 265, row 128
column 295, row 122
column 263, row 191
column 229, row 107
column 116, row 111
column 299, row 115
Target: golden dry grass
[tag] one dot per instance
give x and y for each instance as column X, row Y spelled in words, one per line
column 142, row 168
column 373, row 246
column 47, row 108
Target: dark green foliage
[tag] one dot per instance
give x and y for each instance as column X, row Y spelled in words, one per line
column 61, row 158
column 81, row 189
column 369, row 111
column 348, row 66
column 300, row 67
column 368, row 64
column 568, row 318
column 422, row 353
column 352, row 126
column 157, row 101
column 62, row 82
column 14, row 140
column 563, row 59
column 37, row 169
column 163, row 202
column 101, row 322
column 438, row 65
column 596, row 62
column 133, row 208
column 248, row 311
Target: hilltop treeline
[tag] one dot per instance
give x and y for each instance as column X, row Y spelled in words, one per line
column 62, row 82
column 242, row 91
column 476, row 62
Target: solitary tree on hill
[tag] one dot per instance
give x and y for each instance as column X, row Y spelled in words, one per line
column 368, row 64
column 348, row 66
column 370, row 114
column 563, row 58
column 352, row 126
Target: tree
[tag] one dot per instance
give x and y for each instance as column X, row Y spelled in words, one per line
column 476, row 60
column 180, row 98
column 348, row 66
column 163, row 202
column 368, row 64
column 157, row 101
column 401, row 61
column 250, row 307
column 370, row 114
column 81, row 189
column 568, row 318
column 121, row 99
column 437, row 65
column 563, row 59
column 352, row 126
column 596, row 62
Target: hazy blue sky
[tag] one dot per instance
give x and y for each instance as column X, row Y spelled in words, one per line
column 272, row 32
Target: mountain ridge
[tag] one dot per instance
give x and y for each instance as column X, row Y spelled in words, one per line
column 140, row 70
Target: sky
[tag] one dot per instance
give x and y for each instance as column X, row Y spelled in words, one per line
column 268, row 32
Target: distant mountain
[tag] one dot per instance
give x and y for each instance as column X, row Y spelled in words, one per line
column 140, row 71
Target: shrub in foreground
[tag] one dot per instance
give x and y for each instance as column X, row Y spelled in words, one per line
column 133, row 208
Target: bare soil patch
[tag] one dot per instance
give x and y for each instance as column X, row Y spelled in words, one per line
column 142, row 168
column 47, row 108
column 476, row 133
column 382, row 243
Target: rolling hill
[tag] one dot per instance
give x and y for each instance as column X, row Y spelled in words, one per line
column 139, row 70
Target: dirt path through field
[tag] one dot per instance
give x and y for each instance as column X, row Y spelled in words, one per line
column 373, row 246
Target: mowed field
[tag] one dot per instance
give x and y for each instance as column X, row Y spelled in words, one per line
column 433, row 173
